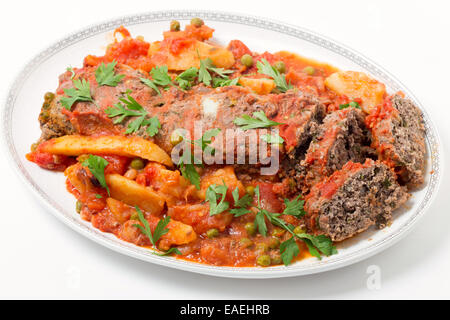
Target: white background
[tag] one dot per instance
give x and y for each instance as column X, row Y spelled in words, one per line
column 42, row 258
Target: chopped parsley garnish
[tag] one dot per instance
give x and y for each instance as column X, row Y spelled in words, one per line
column 131, row 108
column 70, row 69
column 160, row 230
column 207, row 66
column 160, row 77
column 105, row 75
column 316, row 244
column 168, row 252
column 186, row 79
column 150, row 83
column 289, row 249
column 241, row 204
column 205, row 141
column 352, row 104
column 97, row 166
column 212, row 195
column 187, row 161
column 294, row 207
column 188, row 171
column 259, row 120
column 273, row 139
column 81, row 92
column 224, row 82
column 264, row 67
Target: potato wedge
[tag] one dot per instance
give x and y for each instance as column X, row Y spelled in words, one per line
column 357, row 85
column 179, row 233
column 259, row 86
column 191, row 56
column 74, row 145
column 134, row 194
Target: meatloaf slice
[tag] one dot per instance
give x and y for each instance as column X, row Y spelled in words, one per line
column 340, row 138
column 87, row 118
column 177, row 109
column 353, row 199
column 399, row 137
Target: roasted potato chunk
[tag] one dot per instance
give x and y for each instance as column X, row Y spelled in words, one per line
column 357, row 85
column 134, row 194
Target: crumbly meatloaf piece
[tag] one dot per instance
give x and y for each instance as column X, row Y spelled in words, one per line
column 399, row 137
column 340, row 138
column 353, row 199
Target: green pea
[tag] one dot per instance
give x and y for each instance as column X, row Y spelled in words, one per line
column 247, row 60
column 250, row 190
column 246, row 242
column 309, row 70
column 175, row 138
column 277, row 232
column 250, row 228
column 299, row 229
column 280, row 66
column 134, row 216
column 263, row 260
column 174, row 25
column 34, row 147
column 137, row 164
column 262, row 247
column 45, row 115
column 212, row 233
column 49, row 96
column 197, row 22
column 276, row 259
column 274, row 243
column 82, row 157
column 78, row 206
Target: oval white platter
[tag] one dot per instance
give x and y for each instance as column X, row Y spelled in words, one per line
column 23, row 102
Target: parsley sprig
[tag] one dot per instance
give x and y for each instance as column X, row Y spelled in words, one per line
column 160, row 230
column 259, row 120
column 129, row 107
column 224, row 82
column 80, row 92
column 97, row 166
column 105, row 75
column 160, row 77
column 240, row 204
column 186, row 79
column 72, row 72
column 188, row 162
column 212, row 195
column 289, row 248
column 272, row 138
column 264, row 67
column 352, row 104
column 219, row 192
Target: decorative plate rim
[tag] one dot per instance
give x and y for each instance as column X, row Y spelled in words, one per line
column 129, row 249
